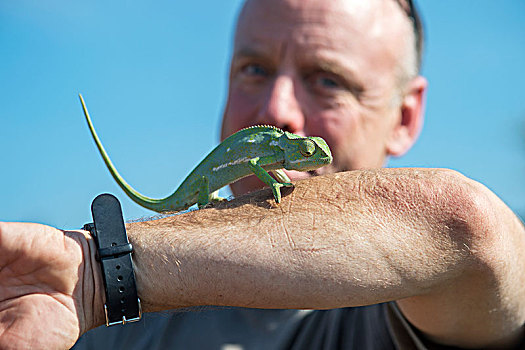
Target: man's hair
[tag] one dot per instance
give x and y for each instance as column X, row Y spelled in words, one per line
column 410, row 9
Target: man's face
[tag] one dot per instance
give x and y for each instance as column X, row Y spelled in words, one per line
column 319, row 68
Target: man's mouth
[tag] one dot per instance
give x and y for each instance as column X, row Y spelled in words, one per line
column 299, row 175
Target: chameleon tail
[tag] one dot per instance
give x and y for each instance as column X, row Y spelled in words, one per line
column 149, row 203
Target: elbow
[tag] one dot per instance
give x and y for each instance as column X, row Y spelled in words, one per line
column 470, row 214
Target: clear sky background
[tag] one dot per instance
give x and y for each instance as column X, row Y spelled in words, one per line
column 154, row 77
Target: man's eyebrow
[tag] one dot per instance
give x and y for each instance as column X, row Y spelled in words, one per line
column 247, row 52
column 333, row 67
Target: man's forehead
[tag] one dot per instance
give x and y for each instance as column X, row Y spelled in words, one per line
column 309, row 8
column 266, row 22
column 347, row 26
column 374, row 18
column 297, row 4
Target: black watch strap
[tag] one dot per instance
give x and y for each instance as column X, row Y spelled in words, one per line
column 114, row 253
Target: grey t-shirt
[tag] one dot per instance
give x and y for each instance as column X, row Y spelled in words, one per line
column 364, row 328
column 378, row 327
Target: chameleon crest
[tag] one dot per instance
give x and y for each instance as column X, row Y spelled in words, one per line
column 253, row 150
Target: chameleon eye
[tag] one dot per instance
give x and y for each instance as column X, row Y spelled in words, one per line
column 307, row 148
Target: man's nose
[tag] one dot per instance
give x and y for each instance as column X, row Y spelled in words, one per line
column 281, row 107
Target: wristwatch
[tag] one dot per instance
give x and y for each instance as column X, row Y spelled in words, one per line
column 114, row 254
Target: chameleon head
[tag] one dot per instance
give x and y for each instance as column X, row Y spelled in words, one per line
column 304, row 153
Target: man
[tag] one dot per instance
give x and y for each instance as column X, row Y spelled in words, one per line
column 445, row 248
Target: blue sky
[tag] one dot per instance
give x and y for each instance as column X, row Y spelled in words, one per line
column 154, row 77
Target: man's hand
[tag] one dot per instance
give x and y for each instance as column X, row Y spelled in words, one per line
column 48, row 288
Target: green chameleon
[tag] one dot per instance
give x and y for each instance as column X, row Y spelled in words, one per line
column 254, row 150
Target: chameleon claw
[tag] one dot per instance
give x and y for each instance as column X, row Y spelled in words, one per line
column 215, row 198
column 276, row 189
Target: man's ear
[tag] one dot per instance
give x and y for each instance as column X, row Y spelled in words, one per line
column 409, row 120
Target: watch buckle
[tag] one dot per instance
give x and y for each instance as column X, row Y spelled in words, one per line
column 124, row 320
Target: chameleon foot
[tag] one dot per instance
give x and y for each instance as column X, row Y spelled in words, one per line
column 276, row 189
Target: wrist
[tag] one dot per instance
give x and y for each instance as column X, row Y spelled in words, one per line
column 99, row 297
column 158, row 266
column 113, row 251
column 91, row 286
column 146, row 268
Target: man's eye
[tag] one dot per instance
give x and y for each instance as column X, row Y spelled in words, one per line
column 254, row 70
column 326, row 82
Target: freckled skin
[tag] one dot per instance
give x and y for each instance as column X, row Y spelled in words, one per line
column 254, row 150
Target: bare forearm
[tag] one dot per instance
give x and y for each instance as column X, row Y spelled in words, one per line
column 447, row 249
column 348, row 239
